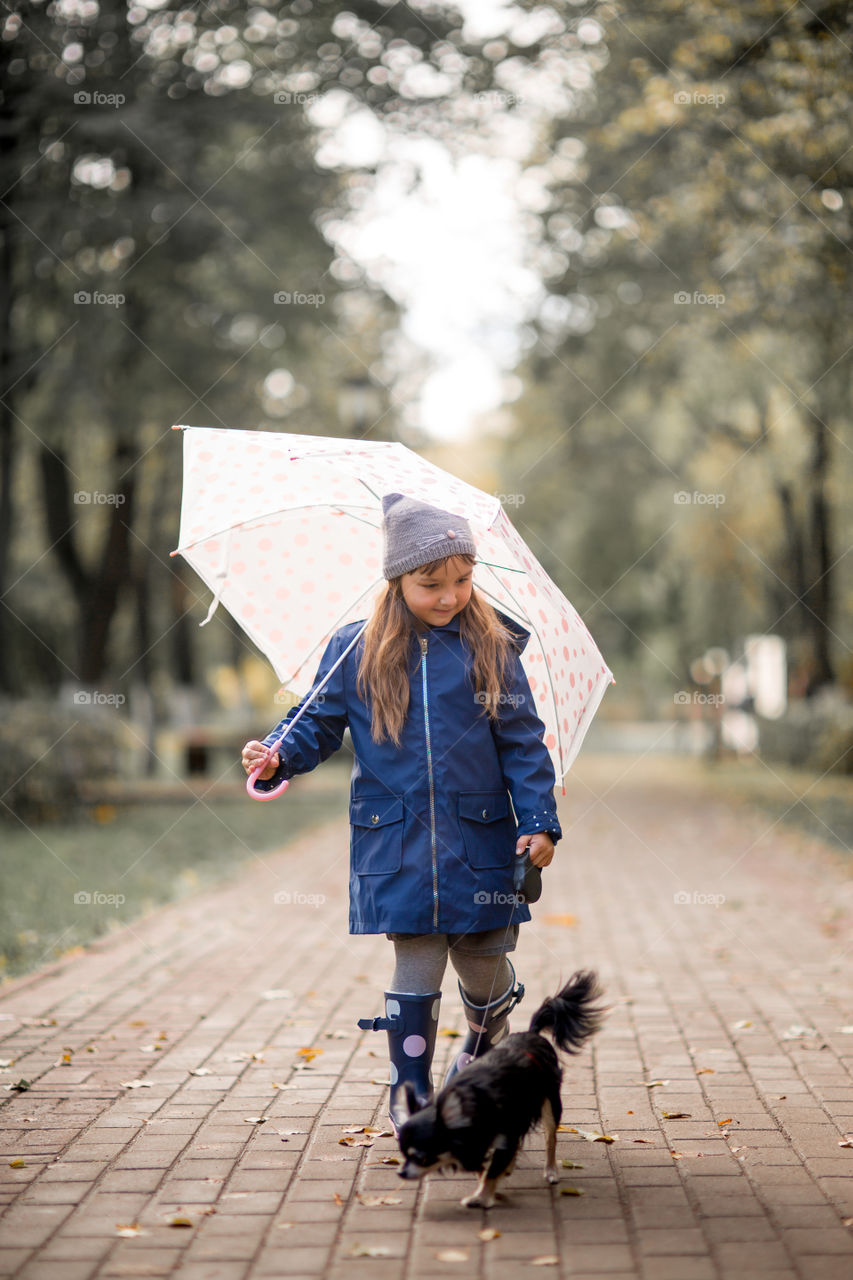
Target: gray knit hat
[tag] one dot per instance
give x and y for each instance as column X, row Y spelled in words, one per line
column 416, row 533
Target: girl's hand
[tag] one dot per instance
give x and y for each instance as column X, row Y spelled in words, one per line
column 252, row 755
column 540, row 846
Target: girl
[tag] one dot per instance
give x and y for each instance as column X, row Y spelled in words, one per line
column 444, row 733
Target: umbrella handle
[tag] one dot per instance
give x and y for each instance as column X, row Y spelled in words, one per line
column 253, row 777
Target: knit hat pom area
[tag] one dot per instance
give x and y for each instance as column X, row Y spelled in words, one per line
column 416, row 533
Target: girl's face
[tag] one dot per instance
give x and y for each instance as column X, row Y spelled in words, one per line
column 438, row 595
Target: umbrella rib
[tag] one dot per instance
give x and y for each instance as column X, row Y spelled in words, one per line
column 280, row 511
column 335, row 625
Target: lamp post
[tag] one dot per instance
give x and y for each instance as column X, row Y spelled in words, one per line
column 360, row 407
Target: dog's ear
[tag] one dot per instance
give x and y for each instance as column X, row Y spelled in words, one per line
column 411, row 1099
column 451, row 1112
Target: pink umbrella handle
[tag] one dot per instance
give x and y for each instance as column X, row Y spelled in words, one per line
column 253, row 777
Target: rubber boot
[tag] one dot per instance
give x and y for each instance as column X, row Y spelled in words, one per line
column 411, row 1022
column 487, row 1024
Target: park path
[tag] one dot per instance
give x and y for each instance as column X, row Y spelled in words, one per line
column 723, row 942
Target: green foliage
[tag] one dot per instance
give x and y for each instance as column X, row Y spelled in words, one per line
column 697, row 336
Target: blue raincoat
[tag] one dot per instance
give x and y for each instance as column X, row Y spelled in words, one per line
column 432, row 832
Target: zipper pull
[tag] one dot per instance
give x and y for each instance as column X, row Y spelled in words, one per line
column 423, row 641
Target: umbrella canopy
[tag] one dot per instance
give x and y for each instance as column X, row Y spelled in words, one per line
column 286, row 530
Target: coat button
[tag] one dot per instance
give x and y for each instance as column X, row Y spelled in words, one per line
column 374, row 817
column 485, row 813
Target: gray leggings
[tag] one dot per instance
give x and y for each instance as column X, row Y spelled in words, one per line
column 422, row 959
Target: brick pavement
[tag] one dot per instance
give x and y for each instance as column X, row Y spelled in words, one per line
column 737, row 1007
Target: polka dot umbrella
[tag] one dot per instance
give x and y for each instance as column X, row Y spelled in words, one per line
column 286, row 530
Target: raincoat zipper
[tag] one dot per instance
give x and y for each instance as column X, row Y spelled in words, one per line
column 423, row 641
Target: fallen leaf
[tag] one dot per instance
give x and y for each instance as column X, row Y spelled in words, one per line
column 722, row 1122
column 276, row 993
column 739, row 1026
column 255, row 1119
column 545, row 1260
column 284, row 1226
column 488, row 1233
column 137, row 1084
column 337, row 1198
column 374, row 1201
column 129, row 1229
column 570, row 1164
column 705, row 1071
column 308, row 1054
column 385, row 1082
column 591, row 1136
column 390, row 1160
column 180, row 1221
column 351, row 1141
column 795, row 1032
column 676, row 1115
column 66, row 1058
column 290, row 1132
column 20, row 1086
column 18, row 1163
column 452, row 1255
column 650, row 1084
column 201, row 1071
column 846, row 1142
column 369, row 1251
column 451, row 1035
column 570, row 1191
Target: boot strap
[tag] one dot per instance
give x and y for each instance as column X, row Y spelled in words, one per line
column 378, row 1024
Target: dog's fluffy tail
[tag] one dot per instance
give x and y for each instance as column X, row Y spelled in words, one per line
column 572, row 1016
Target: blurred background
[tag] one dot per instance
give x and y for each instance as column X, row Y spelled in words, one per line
column 594, row 258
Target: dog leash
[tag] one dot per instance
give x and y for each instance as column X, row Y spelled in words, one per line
column 520, row 872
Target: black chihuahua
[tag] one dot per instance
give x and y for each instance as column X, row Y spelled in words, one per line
column 480, row 1118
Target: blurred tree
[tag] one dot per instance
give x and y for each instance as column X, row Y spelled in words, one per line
column 160, row 198
column 700, row 312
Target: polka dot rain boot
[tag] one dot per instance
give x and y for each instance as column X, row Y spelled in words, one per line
column 411, row 1022
column 487, row 1024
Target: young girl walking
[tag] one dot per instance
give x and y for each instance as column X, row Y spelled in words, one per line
column 444, row 733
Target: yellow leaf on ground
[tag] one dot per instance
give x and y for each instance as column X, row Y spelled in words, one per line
column 570, row 1191
column 452, row 1255
column 488, row 1233
column 18, row 1163
column 369, row 1251
column 545, row 1260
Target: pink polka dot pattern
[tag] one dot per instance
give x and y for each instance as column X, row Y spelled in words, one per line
column 286, row 531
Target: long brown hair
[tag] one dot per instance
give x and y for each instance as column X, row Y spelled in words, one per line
column 384, row 670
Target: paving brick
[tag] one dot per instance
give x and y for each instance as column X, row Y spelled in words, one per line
column 197, row 969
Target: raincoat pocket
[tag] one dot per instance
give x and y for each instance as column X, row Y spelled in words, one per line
column 377, row 834
column 488, row 829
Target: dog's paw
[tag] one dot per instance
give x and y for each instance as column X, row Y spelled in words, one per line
column 552, row 1175
column 478, row 1202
